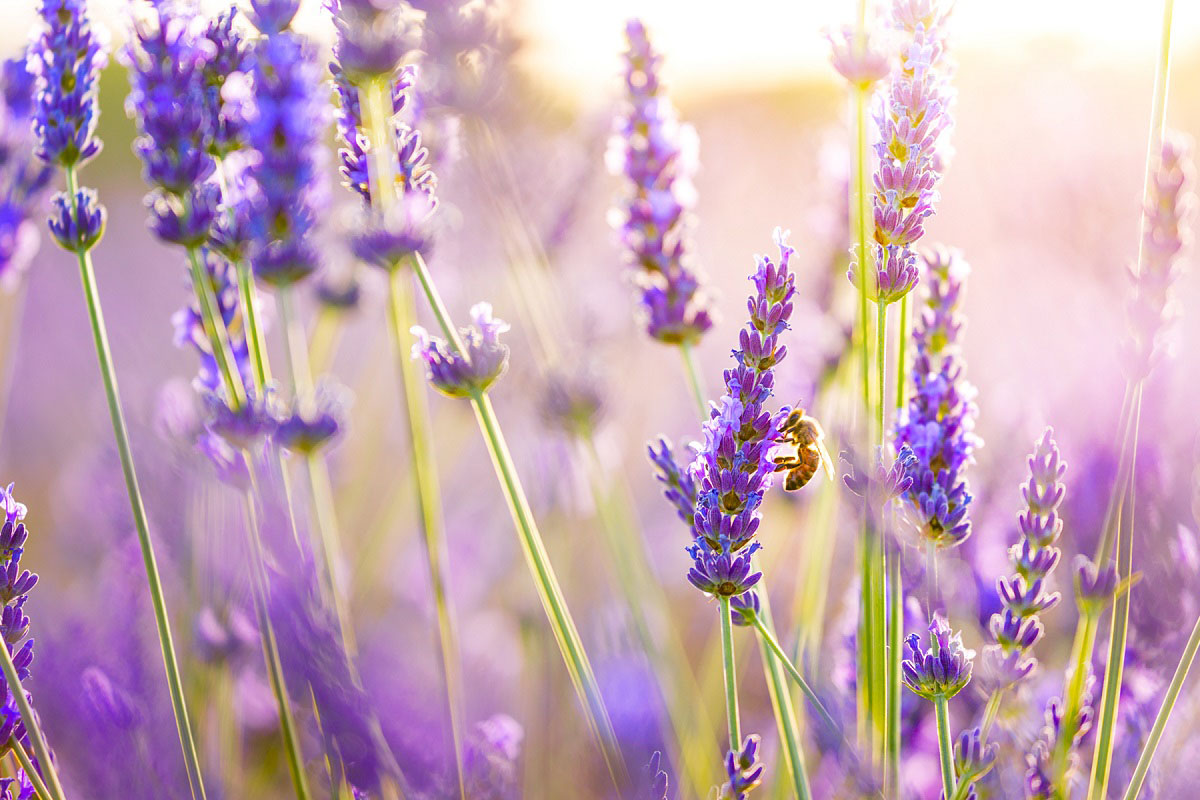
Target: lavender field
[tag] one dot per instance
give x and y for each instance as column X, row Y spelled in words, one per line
column 469, row 399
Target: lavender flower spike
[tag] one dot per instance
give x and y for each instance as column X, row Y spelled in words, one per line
column 1095, row 586
column 15, row 585
column 938, row 423
column 941, row 672
column 285, row 129
column 734, row 467
column 465, row 374
column 23, row 178
column 657, row 155
column 1163, row 240
column 67, row 60
column 912, row 118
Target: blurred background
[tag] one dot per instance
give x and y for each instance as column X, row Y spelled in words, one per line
column 1042, row 198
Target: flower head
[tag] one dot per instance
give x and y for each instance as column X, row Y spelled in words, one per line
column 858, row 61
column 972, row 759
column 657, row 156
column 1164, row 237
column 273, row 16
column 722, row 574
column 372, row 37
column 23, row 178
column 744, row 770
column 938, row 422
column 463, row 374
column 311, row 426
column 734, row 466
column 745, row 608
column 77, row 223
column 67, row 60
column 284, row 128
column 942, row 671
column 1095, row 586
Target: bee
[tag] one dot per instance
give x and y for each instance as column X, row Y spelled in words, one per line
column 803, row 433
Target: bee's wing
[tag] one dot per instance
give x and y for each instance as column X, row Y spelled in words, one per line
column 826, row 461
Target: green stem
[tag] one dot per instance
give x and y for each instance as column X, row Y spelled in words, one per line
column 32, row 725
column 153, row 579
column 902, row 354
column 730, row 670
column 945, row 750
column 990, row 712
column 894, row 655
column 375, row 99
column 781, row 702
column 1081, row 657
column 1115, row 666
column 39, row 786
column 790, row 668
column 695, row 382
column 861, row 223
column 214, row 329
column 401, row 316
column 258, row 585
column 878, row 561
column 546, row 582
column 255, row 336
column 1164, row 713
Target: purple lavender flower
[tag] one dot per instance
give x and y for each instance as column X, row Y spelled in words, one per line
column 942, row 671
column 285, row 127
column 78, row 224
column 680, row 482
column 67, row 59
column 273, row 16
column 225, row 53
column 372, row 37
column 744, row 770
column 464, row 374
column 1016, row 628
column 22, row 179
column 657, row 155
column 744, row 609
column 1039, row 777
column 15, row 585
column 938, row 423
column 655, row 783
column 1163, row 240
column 861, row 64
column 1094, row 586
column 912, row 118
column 309, row 427
column 972, row 760
column 734, row 465
column 883, row 484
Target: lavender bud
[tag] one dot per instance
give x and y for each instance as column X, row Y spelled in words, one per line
column 654, row 780
column 273, row 17
column 859, row 63
column 1094, row 586
column 680, row 483
column 744, row 770
column 372, row 37
column 744, row 609
column 77, row 226
column 971, row 758
column 473, row 372
column 306, row 430
column 999, row 668
column 942, row 671
column 402, row 232
column 722, row 574
column 573, row 402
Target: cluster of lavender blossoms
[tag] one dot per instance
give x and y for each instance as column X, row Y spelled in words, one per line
column 942, row 671
column 469, row 372
column 938, row 422
column 657, row 155
column 15, row 585
column 734, row 465
column 67, row 58
column 912, row 117
column 23, row 179
column 744, row 770
column 1163, row 240
column 1024, row 596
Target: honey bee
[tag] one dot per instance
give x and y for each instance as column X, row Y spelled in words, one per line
column 804, row 433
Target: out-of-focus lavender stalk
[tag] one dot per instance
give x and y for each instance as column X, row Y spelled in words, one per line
column 1159, row 244
column 67, row 59
column 657, row 155
column 392, row 177
column 15, row 658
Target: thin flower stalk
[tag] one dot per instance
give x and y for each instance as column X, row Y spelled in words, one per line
column 65, row 126
column 1160, row 242
column 1164, row 714
column 729, row 669
column 373, row 100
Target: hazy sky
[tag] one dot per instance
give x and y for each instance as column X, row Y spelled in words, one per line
column 575, row 42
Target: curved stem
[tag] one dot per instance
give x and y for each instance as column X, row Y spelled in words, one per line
column 32, row 725
column 790, row 668
column 732, row 716
column 142, row 527
column 259, row 584
column 945, row 750
column 1164, row 714
column 695, row 382
column 401, row 316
